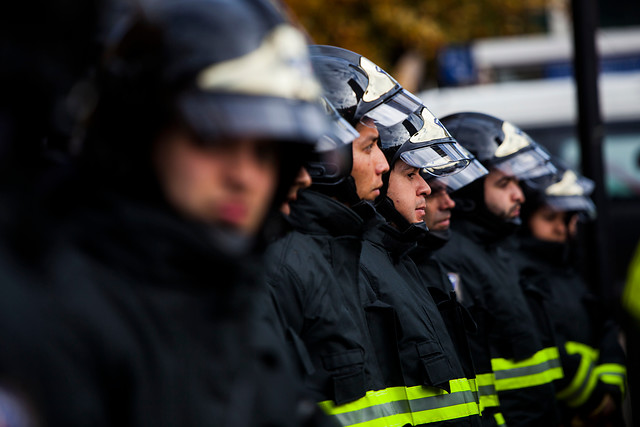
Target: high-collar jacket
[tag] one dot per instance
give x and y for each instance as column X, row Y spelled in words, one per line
column 313, row 278
column 402, row 306
column 151, row 323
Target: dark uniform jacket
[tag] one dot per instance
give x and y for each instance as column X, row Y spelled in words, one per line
column 592, row 359
column 148, row 323
column 434, row 273
column 439, row 389
column 313, row 277
column 524, row 358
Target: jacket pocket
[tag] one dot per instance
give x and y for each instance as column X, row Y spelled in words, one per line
column 347, row 374
column 437, row 369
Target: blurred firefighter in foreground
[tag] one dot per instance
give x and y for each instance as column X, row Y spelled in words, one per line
column 147, row 304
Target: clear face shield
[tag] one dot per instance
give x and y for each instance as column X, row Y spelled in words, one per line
column 518, row 155
column 581, row 204
column 395, row 103
column 395, row 109
column 437, row 160
column 340, row 131
column 426, row 144
column 331, row 157
column 456, row 181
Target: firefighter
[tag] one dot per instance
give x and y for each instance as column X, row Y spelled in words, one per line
column 313, row 270
column 148, row 294
column 524, row 358
column 594, row 380
column 438, row 208
column 440, row 387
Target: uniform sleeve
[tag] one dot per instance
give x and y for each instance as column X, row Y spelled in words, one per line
column 611, row 368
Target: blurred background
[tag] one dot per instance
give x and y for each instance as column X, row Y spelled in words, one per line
column 512, row 59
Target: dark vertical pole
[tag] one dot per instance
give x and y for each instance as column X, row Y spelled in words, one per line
column 590, row 133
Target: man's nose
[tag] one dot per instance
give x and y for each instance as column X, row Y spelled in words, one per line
column 423, row 188
column 382, row 166
column 447, row 201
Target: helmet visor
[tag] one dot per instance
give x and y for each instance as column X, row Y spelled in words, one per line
column 215, row 116
column 441, row 159
column 395, row 109
column 581, row 204
column 331, row 159
column 340, row 131
column 532, row 161
column 463, row 178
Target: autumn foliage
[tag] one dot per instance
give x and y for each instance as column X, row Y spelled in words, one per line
column 384, row 30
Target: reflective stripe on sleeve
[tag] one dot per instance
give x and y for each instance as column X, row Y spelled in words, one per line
column 613, row 374
column 399, row 406
column 579, row 388
column 541, row 368
column 487, row 391
column 588, row 375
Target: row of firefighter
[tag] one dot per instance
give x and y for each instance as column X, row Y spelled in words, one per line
column 244, row 229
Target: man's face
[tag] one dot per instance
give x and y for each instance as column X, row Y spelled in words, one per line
column 229, row 183
column 408, row 191
column 550, row 225
column 302, row 181
column 439, row 206
column 369, row 162
column 503, row 195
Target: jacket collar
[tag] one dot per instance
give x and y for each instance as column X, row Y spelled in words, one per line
column 397, row 243
column 552, row 253
column 152, row 244
column 314, row 212
column 431, row 242
column 484, row 230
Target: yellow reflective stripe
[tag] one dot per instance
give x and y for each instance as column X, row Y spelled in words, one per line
column 398, row 406
column 446, row 413
column 485, row 379
column 487, row 391
column 588, row 374
column 541, row 368
column 574, row 347
column 500, row 421
column 586, row 367
column 599, row 373
column 585, row 390
column 613, row 374
column 544, row 355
